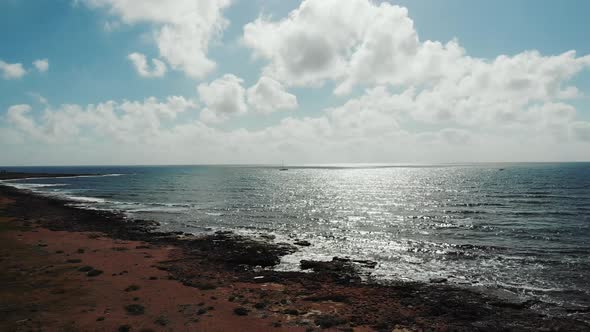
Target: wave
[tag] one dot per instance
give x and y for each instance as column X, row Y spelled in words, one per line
column 32, row 186
column 85, row 199
column 63, row 177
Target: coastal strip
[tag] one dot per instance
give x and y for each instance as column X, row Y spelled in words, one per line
column 64, row 268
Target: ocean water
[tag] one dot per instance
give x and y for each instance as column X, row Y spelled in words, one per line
column 518, row 229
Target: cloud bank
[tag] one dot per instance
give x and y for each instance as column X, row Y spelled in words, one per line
column 413, row 100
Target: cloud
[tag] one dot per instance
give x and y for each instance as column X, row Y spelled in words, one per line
column 268, row 96
column 141, row 66
column 223, row 97
column 12, row 70
column 414, row 100
column 42, row 65
column 110, row 26
column 127, row 121
column 183, row 29
column 38, row 98
column 361, row 42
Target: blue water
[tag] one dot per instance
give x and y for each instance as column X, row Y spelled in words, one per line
column 522, row 229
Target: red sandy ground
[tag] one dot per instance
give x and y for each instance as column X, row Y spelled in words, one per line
column 42, row 291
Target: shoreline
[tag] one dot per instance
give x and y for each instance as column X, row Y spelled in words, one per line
column 225, row 264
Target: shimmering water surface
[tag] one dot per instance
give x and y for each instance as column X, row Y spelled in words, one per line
column 519, row 228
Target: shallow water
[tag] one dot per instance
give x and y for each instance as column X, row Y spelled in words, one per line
column 521, row 228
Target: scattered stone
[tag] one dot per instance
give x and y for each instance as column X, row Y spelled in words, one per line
column 124, row 328
column 93, row 273
column 260, row 305
column 135, row 309
column 438, row 280
column 86, row 268
column 328, row 321
column 330, row 297
column 293, row 312
column 132, row 288
column 241, row 311
column 341, row 270
column 162, row 321
column 100, row 319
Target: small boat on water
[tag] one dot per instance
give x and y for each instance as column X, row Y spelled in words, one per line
column 283, row 168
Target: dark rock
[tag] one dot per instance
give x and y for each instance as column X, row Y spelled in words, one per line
column 293, row 312
column 341, row 270
column 330, row 297
column 162, row 321
column 241, row 311
column 135, row 309
column 86, row 268
column 234, row 249
column 260, row 305
column 74, row 261
column 328, row 321
column 132, row 288
column 303, row 243
column 124, row 328
column 93, row 273
column 201, row 311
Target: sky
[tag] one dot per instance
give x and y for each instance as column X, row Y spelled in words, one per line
column 117, row 82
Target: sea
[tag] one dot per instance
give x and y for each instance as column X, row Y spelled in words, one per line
column 518, row 230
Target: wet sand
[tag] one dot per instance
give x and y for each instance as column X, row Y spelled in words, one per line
column 66, row 269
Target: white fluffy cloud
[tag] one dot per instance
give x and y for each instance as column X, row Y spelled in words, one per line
column 424, row 101
column 183, row 29
column 362, row 42
column 223, row 97
column 268, row 96
column 42, row 65
column 127, row 121
column 142, row 67
column 12, row 70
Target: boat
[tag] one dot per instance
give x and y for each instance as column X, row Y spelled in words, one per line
column 283, row 168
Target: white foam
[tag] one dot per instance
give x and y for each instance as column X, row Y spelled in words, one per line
column 65, row 177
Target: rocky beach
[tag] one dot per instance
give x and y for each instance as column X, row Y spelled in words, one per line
column 70, row 269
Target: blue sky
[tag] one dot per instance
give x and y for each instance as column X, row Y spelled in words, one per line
column 90, row 65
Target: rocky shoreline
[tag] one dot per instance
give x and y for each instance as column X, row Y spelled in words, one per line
column 333, row 294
